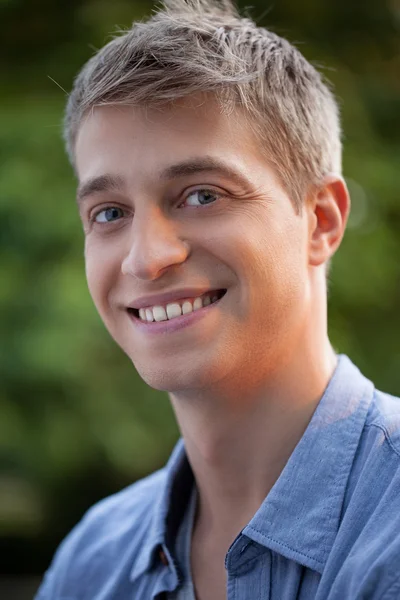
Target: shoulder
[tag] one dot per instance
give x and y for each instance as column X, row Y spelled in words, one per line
column 126, row 512
column 376, row 468
column 368, row 542
column 378, row 452
column 125, row 509
column 110, row 532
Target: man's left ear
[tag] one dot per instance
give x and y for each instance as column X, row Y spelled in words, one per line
column 328, row 212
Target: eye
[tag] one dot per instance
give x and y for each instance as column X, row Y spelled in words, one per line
column 201, row 198
column 107, row 215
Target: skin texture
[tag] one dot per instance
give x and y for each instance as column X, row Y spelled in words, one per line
column 244, row 380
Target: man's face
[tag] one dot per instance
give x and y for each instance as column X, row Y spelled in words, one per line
column 184, row 198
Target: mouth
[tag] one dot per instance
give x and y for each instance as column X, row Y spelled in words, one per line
column 177, row 308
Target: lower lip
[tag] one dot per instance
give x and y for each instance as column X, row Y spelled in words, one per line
column 153, row 327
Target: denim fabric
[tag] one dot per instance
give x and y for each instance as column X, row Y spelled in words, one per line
column 182, row 553
column 328, row 530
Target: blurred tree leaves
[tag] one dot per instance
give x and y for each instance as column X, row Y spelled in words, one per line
column 76, row 422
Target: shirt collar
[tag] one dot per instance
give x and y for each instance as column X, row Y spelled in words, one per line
column 168, row 510
column 301, row 515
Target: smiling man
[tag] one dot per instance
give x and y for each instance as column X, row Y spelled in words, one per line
column 209, row 163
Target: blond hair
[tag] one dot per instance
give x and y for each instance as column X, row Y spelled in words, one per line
column 191, row 46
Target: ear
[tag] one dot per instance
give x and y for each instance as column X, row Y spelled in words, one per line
column 328, row 212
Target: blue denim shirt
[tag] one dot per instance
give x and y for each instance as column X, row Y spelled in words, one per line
column 329, row 529
column 182, row 549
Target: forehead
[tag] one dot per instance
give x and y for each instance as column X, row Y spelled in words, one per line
column 142, row 140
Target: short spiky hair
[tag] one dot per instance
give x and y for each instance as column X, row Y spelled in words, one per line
column 191, row 46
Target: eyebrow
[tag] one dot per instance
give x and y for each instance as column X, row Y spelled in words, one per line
column 102, row 183
column 205, row 163
column 115, row 183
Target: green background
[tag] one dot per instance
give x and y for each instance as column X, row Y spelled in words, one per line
column 76, row 422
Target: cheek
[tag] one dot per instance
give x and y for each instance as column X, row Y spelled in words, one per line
column 101, row 269
column 273, row 263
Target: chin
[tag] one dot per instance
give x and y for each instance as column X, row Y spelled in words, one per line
column 173, row 380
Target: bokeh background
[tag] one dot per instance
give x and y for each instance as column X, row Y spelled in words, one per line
column 76, row 422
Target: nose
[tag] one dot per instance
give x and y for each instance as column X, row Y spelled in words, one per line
column 154, row 246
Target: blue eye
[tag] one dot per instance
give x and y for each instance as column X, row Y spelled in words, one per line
column 204, row 197
column 108, row 215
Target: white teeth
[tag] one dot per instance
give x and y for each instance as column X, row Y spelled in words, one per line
column 173, row 310
column 198, row 303
column 187, row 307
column 159, row 313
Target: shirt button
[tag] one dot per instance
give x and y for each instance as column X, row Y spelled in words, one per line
column 163, row 557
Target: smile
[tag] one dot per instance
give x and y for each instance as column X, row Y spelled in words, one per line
column 190, row 311
column 177, row 308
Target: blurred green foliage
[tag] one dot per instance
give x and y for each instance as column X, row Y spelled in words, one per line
column 76, row 421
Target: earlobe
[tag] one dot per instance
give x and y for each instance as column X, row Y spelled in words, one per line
column 329, row 211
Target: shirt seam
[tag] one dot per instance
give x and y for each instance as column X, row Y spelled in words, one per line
column 249, row 560
column 267, row 537
column 387, row 436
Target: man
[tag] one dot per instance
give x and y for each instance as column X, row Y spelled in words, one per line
column 210, row 191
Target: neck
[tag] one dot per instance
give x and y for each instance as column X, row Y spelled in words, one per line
column 238, row 442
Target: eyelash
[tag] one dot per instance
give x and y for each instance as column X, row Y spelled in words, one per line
column 93, row 217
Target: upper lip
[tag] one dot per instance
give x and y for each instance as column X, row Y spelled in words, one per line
column 162, row 299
